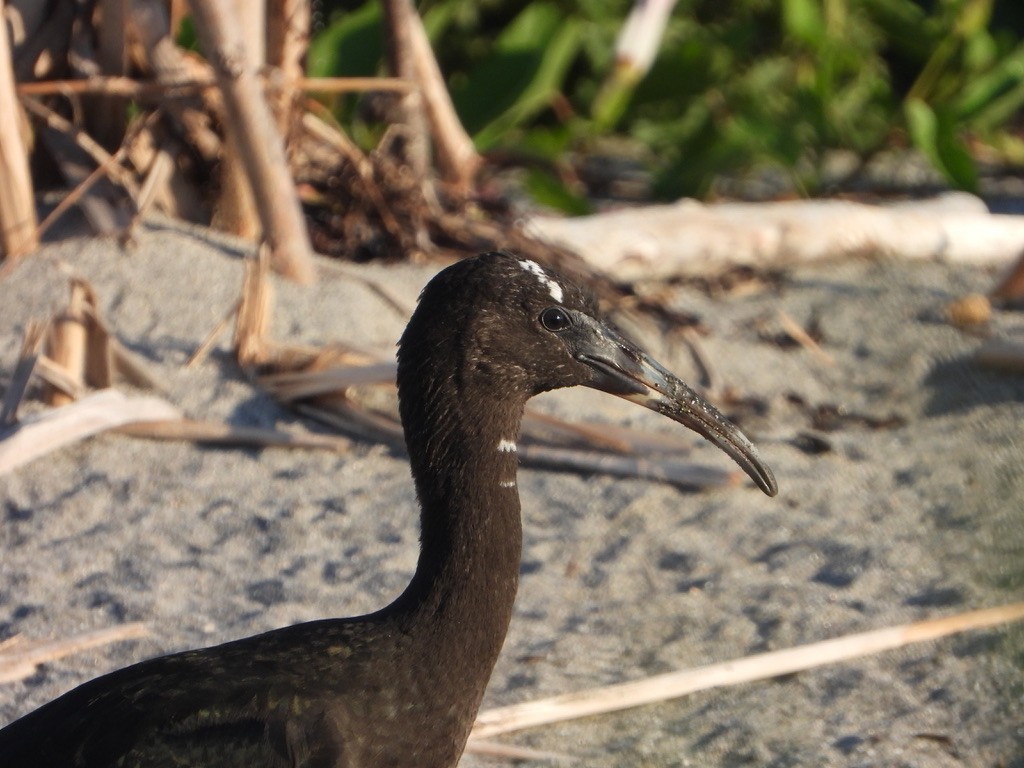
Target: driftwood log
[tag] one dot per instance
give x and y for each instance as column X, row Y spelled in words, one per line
column 692, row 238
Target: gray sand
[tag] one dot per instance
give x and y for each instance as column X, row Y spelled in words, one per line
column 621, row 578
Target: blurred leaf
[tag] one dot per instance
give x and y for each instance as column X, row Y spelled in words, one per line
column 613, row 100
column 548, row 190
column 351, row 45
column 978, row 95
column 187, row 38
column 934, row 134
column 803, row 20
column 524, row 73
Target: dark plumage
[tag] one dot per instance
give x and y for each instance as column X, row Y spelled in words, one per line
column 399, row 687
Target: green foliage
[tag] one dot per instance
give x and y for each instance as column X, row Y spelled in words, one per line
column 736, row 87
column 521, row 75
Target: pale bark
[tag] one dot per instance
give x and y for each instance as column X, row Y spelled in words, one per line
column 691, row 238
column 17, row 202
column 250, row 126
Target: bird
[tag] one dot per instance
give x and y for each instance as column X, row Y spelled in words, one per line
column 400, row 687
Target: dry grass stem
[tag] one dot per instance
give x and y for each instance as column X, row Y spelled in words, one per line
column 149, row 89
column 19, row 659
column 44, row 433
column 67, row 342
column 1002, row 354
column 1011, row 286
column 709, row 378
column 759, row 667
column 156, row 182
column 17, row 201
column 81, row 351
column 358, row 421
column 687, row 475
column 31, row 344
column 251, row 128
column 595, row 434
column 204, row 348
column 511, row 752
column 796, row 332
column 227, row 434
column 337, row 140
column 254, row 313
column 301, row 385
column 59, row 379
column 117, row 173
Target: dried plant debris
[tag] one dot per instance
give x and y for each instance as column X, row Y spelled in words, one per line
column 51, row 430
column 80, row 344
column 1010, row 289
column 31, row 346
column 833, row 417
column 19, row 658
column 761, row 666
column 969, row 312
column 1003, row 353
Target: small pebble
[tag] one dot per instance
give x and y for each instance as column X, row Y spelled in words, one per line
column 969, row 311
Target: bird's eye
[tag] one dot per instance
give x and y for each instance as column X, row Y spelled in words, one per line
column 554, row 319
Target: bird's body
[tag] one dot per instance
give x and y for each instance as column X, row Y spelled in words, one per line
column 399, row 687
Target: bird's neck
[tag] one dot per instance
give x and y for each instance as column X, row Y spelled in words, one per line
column 459, row 603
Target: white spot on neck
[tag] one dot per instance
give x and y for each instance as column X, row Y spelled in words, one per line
column 545, row 279
column 507, row 446
column 507, row 483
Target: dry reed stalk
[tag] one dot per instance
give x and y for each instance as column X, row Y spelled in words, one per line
column 17, row 200
column 102, row 171
column 66, row 345
column 44, row 433
column 709, row 378
column 796, row 332
column 190, row 84
column 758, row 667
column 457, row 158
column 118, row 174
column 338, row 141
column 398, row 24
column 301, row 385
column 235, row 209
column 511, row 752
column 662, row 469
column 108, row 116
column 19, row 659
column 228, row 434
column 207, row 344
column 57, row 377
column 288, row 25
column 255, row 309
column 349, row 417
column 156, row 184
column 251, row 127
column 1002, row 354
column 153, row 152
column 31, row 344
column 82, row 350
column 176, row 73
column 1011, row 285
column 595, row 434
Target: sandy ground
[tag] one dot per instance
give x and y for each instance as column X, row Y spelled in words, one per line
column 915, row 517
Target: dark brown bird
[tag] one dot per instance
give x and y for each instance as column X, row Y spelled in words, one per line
column 398, row 688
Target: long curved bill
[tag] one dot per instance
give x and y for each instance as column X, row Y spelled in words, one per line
column 623, row 369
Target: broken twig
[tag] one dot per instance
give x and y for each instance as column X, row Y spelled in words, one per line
column 758, row 667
